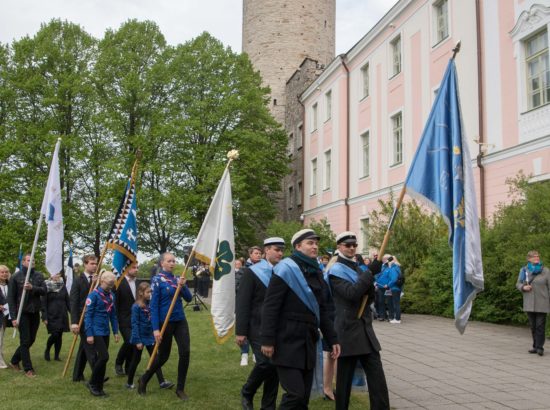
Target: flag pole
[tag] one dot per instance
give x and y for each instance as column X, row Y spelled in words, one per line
column 33, row 251
column 95, row 282
column 233, row 154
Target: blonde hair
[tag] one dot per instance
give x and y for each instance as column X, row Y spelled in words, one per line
column 532, row 254
column 5, row 268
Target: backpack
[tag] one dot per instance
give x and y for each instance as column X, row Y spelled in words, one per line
column 401, row 278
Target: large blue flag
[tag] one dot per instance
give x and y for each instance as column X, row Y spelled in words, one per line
column 123, row 237
column 441, row 174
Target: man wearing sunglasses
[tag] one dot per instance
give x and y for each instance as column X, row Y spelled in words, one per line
column 357, row 339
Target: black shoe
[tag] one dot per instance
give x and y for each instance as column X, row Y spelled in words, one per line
column 246, row 403
column 57, row 359
column 105, row 380
column 119, row 370
column 540, row 352
column 166, row 384
column 94, row 390
column 533, row 350
column 181, row 395
column 79, row 379
column 141, row 387
column 47, row 355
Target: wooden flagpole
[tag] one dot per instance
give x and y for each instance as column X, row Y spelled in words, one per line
column 231, row 155
column 95, row 282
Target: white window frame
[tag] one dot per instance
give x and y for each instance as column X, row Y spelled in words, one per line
column 314, row 117
column 365, row 80
column 439, row 34
column 328, row 105
column 396, row 56
column 396, row 139
column 313, row 182
column 327, row 174
column 365, row 154
column 538, row 56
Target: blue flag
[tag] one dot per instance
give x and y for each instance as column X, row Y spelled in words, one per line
column 441, row 174
column 123, row 237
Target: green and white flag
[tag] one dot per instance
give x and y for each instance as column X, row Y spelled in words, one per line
column 215, row 245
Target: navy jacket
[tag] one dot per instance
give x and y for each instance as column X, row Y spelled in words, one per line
column 164, row 287
column 142, row 330
column 100, row 309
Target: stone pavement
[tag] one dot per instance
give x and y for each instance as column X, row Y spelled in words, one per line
column 429, row 365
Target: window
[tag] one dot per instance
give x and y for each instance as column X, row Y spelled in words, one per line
column 290, row 198
column 290, row 144
column 396, row 55
column 538, row 70
column 299, row 194
column 299, row 136
column 397, row 135
column 441, row 15
column 328, row 105
column 328, row 170
column 365, row 236
column 365, row 80
column 313, row 190
column 365, row 142
column 314, row 117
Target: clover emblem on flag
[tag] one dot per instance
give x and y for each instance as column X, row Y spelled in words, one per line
column 224, row 257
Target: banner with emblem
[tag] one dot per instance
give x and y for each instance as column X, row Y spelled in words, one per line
column 123, row 237
column 215, row 245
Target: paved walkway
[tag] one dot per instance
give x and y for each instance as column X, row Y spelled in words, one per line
column 429, row 365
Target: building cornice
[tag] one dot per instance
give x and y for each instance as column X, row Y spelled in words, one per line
column 520, row 149
column 322, row 208
column 530, row 20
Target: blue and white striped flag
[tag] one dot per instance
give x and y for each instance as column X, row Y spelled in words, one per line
column 441, row 174
column 51, row 209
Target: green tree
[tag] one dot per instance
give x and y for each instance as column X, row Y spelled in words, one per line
column 286, row 230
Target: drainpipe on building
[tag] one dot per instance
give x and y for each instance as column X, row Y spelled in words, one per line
column 480, row 113
column 302, row 217
column 348, row 179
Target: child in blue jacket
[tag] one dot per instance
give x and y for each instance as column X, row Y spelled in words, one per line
column 142, row 334
column 100, row 310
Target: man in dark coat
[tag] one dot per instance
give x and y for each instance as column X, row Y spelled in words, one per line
column 79, row 292
column 30, row 316
column 295, row 307
column 250, row 299
column 349, row 284
column 125, row 298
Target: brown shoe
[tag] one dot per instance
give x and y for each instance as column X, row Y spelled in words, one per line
column 30, row 374
column 15, row 366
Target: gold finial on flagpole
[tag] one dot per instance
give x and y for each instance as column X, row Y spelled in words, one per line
column 456, row 49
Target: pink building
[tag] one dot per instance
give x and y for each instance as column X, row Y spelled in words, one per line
column 365, row 114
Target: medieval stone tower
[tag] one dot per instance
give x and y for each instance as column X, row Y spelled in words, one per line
column 279, row 34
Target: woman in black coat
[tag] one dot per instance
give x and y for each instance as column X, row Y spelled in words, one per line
column 55, row 308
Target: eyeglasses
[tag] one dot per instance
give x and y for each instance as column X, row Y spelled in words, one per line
column 350, row 245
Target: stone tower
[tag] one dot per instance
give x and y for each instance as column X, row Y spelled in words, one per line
column 279, row 34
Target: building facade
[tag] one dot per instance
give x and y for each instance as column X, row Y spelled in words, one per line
column 365, row 113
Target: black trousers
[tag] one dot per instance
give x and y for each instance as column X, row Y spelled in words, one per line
column 101, row 349
column 537, row 322
column 180, row 332
column 55, row 340
column 126, row 351
column 263, row 372
column 136, row 358
column 85, row 353
column 28, row 327
column 297, row 386
column 376, row 381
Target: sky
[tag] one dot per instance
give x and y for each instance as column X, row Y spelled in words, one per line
column 179, row 20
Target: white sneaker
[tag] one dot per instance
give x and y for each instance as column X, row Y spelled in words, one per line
column 395, row 321
column 244, row 359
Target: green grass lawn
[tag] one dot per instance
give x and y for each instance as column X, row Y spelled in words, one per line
column 213, row 382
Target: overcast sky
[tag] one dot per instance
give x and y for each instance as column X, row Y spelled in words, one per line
column 179, row 20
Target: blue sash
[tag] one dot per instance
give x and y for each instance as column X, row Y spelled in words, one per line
column 290, row 272
column 263, row 271
column 343, row 272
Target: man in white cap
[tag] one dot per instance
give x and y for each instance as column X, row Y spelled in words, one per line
column 349, row 284
column 295, row 307
column 250, row 299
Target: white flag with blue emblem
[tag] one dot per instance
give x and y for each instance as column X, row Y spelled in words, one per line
column 215, row 245
column 441, row 174
column 51, row 209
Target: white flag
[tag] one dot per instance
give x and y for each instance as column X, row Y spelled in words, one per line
column 51, row 209
column 215, row 245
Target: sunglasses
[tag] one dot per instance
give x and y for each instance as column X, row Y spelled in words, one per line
column 350, row 245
